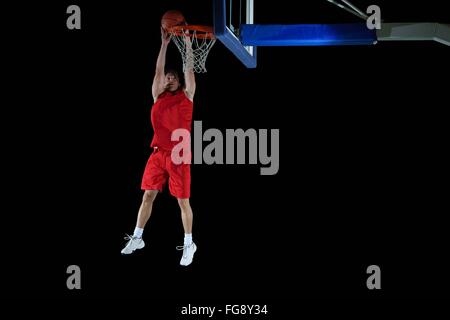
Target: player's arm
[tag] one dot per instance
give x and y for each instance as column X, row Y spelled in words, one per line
column 189, row 75
column 158, row 80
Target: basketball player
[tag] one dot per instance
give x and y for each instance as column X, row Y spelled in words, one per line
column 172, row 109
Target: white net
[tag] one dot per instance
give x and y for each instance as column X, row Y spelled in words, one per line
column 194, row 46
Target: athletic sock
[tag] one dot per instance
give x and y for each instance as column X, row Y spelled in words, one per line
column 138, row 232
column 187, row 239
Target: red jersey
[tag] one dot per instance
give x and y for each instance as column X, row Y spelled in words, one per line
column 172, row 110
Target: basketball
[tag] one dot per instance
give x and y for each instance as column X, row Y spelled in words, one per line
column 172, row 18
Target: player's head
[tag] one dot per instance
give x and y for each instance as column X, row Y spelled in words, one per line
column 172, row 80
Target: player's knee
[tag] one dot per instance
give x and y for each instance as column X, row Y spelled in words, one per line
column 184, row 203
column 149, row 196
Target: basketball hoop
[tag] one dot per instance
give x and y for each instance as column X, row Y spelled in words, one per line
column 194, row 43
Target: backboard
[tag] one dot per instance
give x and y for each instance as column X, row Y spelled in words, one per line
column 234, row 26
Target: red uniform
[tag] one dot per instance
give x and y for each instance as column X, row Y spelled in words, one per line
column 171, row 111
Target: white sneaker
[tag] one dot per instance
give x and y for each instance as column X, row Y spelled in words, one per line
column 133, row 244
column 188, row 254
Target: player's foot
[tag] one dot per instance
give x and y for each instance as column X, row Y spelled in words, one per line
column 188, row 254
column 133, row 244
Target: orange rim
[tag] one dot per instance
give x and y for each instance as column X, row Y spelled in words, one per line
column 201, row 32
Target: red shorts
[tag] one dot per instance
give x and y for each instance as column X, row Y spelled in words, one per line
column 160, row 167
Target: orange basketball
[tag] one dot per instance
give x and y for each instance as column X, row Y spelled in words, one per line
column 172, row 18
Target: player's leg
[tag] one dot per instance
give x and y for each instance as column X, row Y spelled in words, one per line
column 189, row 246
column 153, row 181
column 179, row 186
column 145, row 209
column 186, row 215
column 136, row 242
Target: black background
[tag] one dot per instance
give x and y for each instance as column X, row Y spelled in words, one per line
column 362, row 172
